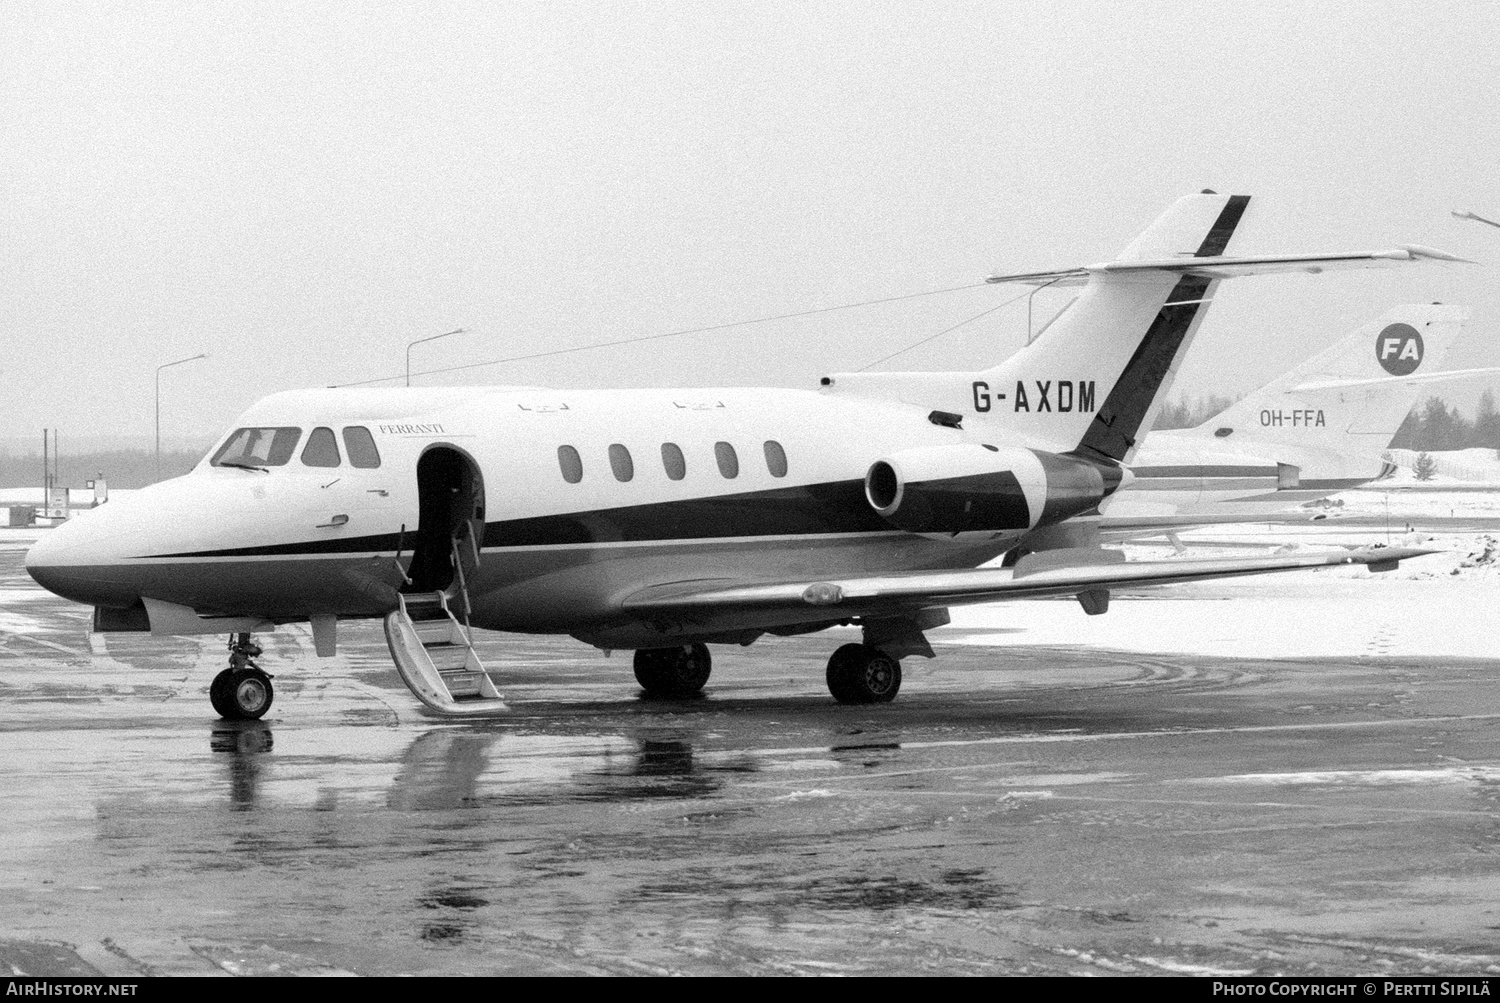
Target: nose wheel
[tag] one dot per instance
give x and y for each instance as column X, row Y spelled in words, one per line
column 242, row 692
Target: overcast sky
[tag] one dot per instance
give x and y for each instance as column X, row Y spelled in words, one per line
column 301, row 190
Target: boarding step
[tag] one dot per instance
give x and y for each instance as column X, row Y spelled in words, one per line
column 465, row 685
column 443, row 631
column 447, row 657
column 435, row 657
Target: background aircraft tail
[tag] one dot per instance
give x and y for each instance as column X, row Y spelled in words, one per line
column 1352, row 396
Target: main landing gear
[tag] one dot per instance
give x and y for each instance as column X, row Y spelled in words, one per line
column 857, row 673
column 673, row 672
column 242, row 692
column 862, row 673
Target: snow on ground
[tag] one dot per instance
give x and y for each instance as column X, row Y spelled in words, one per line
column 33, row 496
column 1412, row 504
column 1444, row 604
column 1477, row 465
column 19, row 539
column 1305, row 614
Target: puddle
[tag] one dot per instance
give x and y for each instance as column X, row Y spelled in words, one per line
column 952, row 889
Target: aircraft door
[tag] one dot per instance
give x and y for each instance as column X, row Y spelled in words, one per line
column 450, row 521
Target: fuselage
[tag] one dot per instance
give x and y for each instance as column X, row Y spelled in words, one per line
column 576, row 498
column 550, row 507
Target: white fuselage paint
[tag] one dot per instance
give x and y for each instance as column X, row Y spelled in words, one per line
column 558, row 556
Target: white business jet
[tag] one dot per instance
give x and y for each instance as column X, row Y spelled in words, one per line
column 666, row 520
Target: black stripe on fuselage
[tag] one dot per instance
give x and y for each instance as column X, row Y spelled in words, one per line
column 835, row 507
column 811, row 509
column 1117, row 423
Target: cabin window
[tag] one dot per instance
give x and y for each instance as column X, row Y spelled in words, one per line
column 775, row 458
column 571, row 464
column 257, row 447
column 322, row 449
column 673, row 461
column 729, row 463
column 621, row 463
column 360, row 445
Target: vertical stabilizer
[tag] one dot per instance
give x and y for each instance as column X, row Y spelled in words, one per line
column 1095, row 379
column 1353, row 395
column 1092, row 382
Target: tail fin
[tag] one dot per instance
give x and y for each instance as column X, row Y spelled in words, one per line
column 1355, row 394
column 1093, row 381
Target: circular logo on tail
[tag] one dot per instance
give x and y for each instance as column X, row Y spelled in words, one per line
column 1398, row 349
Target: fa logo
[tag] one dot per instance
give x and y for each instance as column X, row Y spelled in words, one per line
column 1398, row 349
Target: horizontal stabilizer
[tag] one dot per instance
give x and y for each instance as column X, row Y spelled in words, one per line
column 1452, row 374
column 884, row 594
column 1228, row 266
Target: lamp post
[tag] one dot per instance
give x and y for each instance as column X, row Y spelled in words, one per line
column 435, row 337
column 166, row 365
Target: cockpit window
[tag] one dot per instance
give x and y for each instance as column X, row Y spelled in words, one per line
column 258, row 447
column 360, row 445
column 322, row 449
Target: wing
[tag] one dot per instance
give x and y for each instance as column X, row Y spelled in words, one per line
column 1049, row 573
column 1225, row 266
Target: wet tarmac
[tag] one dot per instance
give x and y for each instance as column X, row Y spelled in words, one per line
column 1024, row 810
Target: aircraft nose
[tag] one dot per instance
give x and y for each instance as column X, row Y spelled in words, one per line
column 75, row 561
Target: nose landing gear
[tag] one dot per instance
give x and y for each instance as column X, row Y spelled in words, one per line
column 242, row 692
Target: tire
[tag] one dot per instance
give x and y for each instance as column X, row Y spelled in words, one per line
column 218, row 694
column 673, row 672
column 863, row 675
column 840, row 667
column 245, row 696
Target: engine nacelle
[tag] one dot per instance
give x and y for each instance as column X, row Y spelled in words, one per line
column 974, row 488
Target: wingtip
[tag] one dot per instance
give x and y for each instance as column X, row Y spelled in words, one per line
column 1420, row 251
column 1382, row 555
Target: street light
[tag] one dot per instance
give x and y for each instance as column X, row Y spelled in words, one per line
column 435, row 337
column 1464, row 214
column 166, row 365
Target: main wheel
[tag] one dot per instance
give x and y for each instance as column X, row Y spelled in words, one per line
column 673, row 672
column 241, row 694
column 218, row 693
column 840, row 667
column 862, row 674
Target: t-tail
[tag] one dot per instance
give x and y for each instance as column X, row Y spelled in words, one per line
column 1072, row 406
column 1091, row 384
column 1094, row 380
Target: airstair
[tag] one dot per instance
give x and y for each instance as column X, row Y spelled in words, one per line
column 434, row 652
